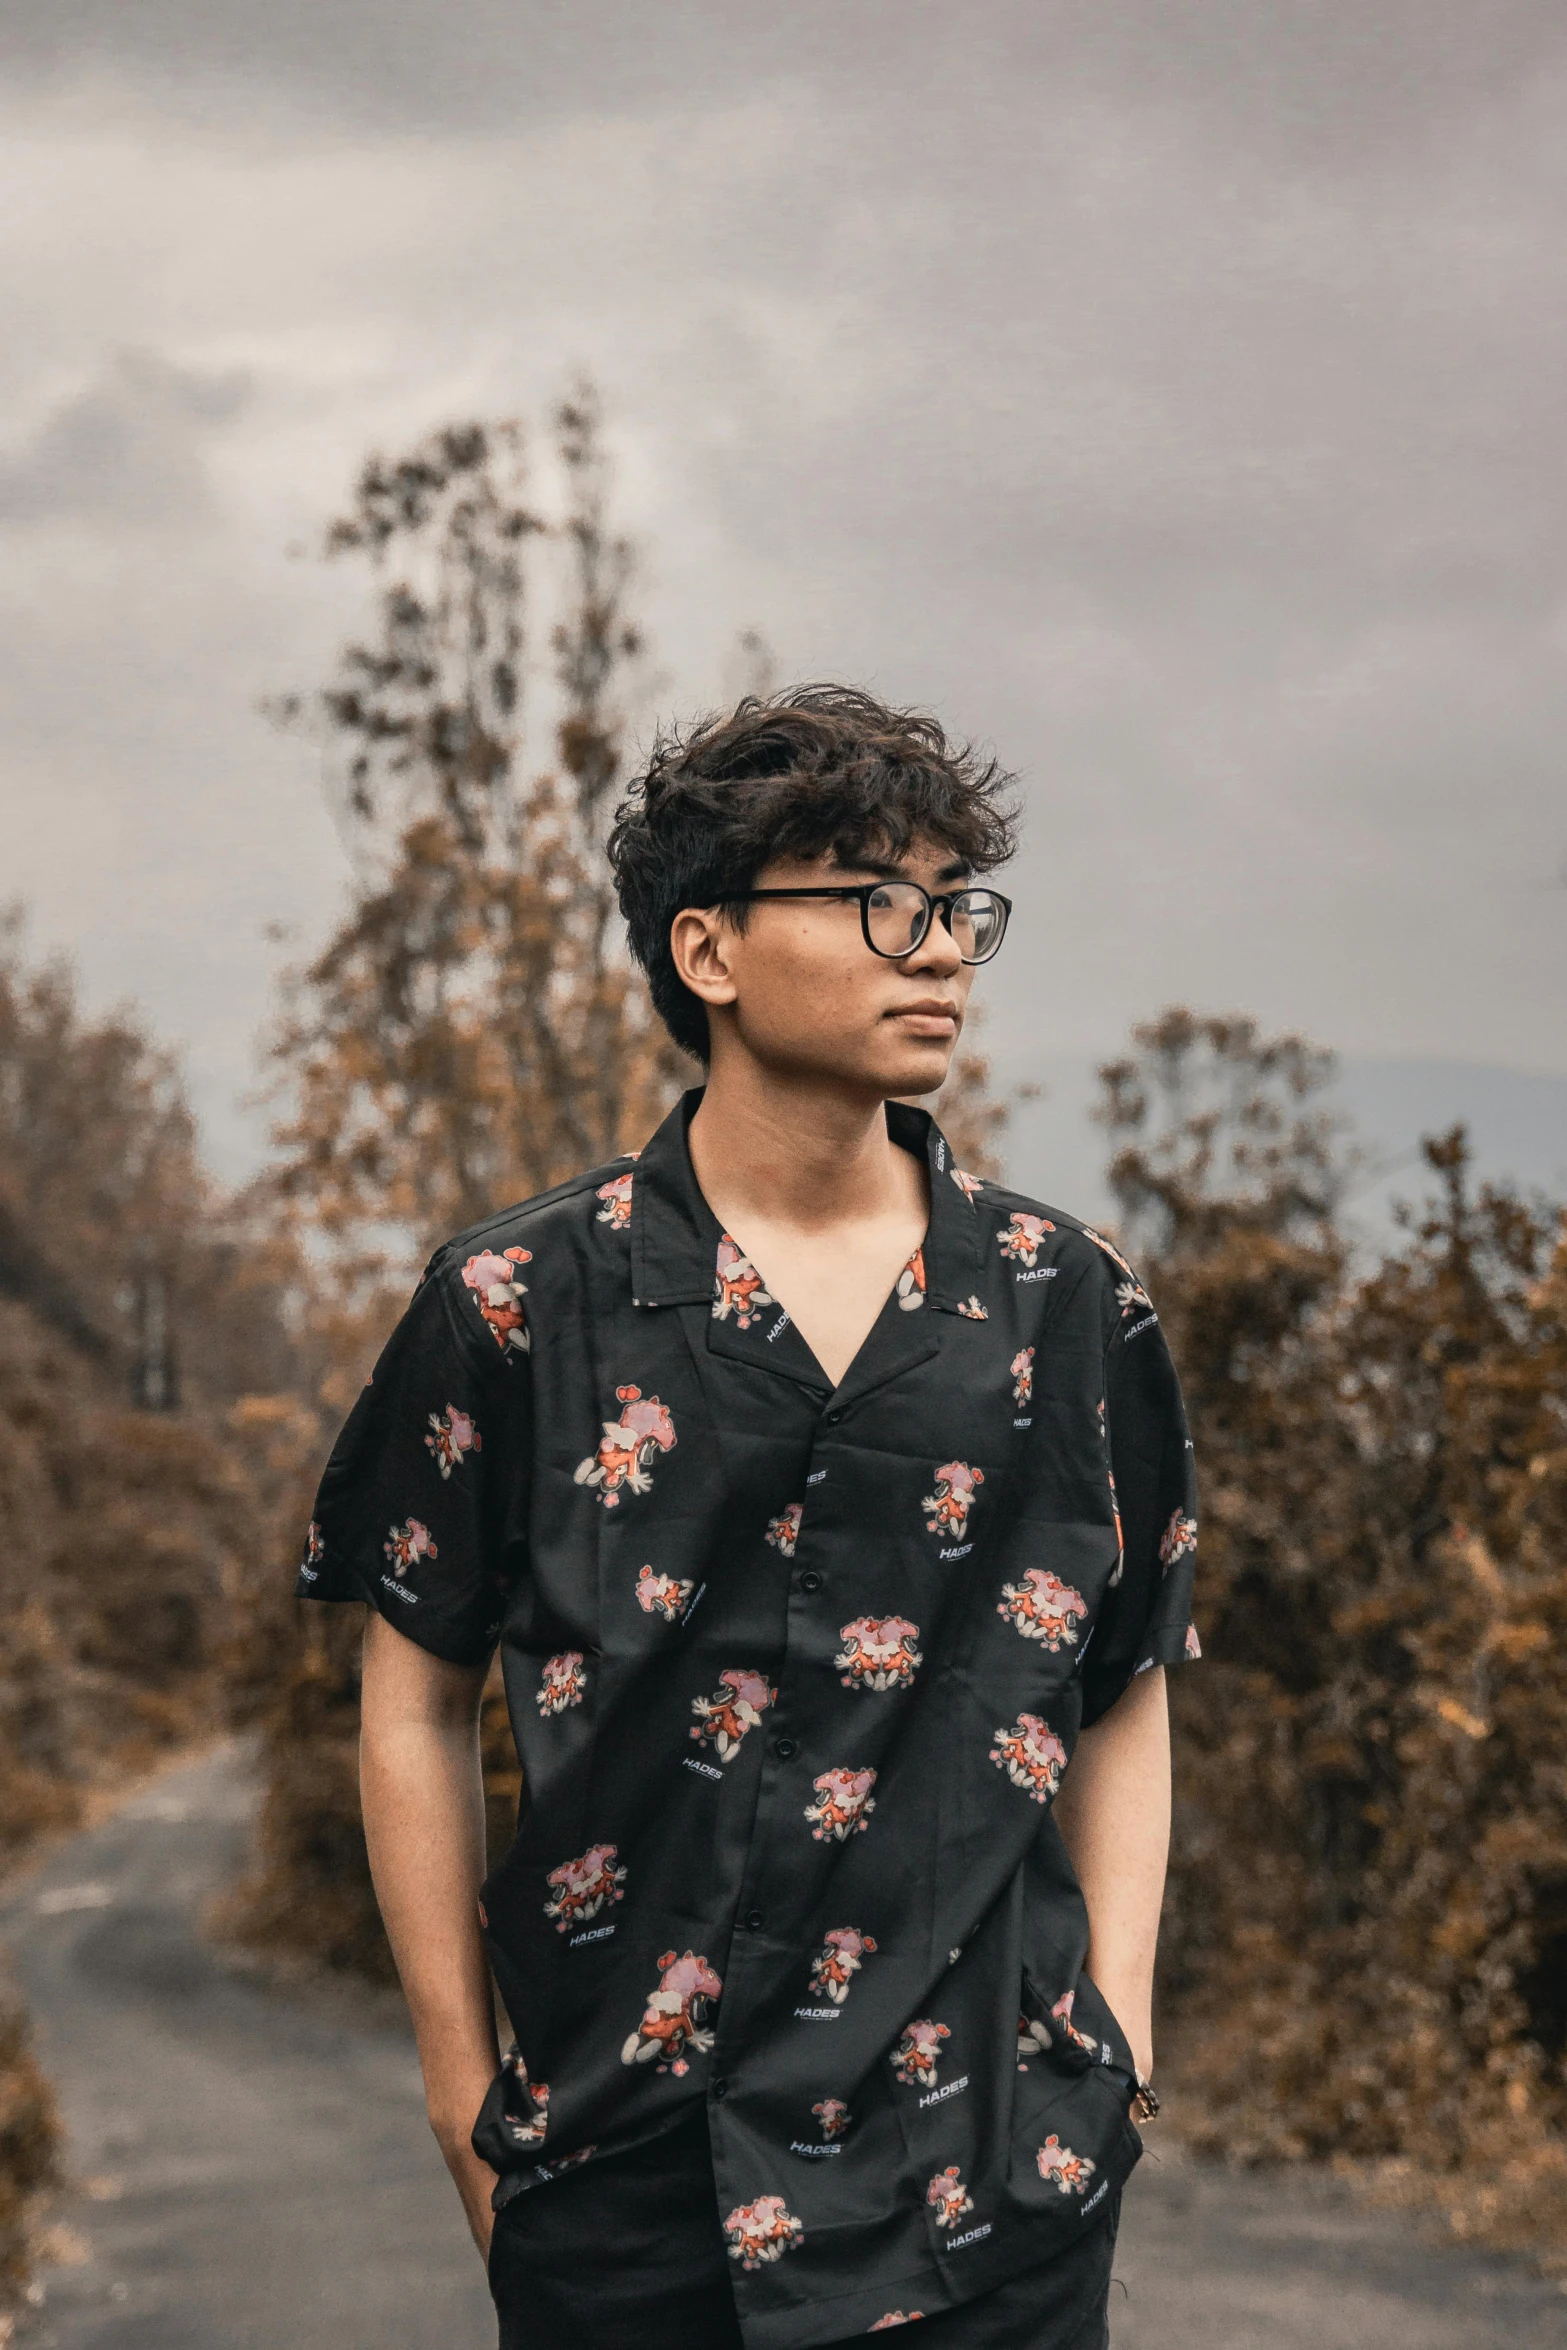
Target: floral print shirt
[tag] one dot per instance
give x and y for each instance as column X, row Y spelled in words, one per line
column 795, row 1673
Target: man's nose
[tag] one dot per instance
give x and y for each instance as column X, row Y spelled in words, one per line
column 937, row 950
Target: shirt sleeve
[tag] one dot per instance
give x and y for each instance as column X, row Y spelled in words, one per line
column 1146, row 1618
column 421, row 1512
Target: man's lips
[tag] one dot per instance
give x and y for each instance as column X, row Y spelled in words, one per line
column 929, row 1016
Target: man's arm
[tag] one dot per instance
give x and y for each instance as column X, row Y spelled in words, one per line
column 423, row 1794
column 1114, row 1815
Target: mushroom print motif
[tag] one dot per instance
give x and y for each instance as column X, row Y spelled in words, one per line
column 583, row 1886
column 763, row 2230
column 406, row 1545
column 616, row 1195
column 918, row 2052
column 452, row 1435
column 1032, row 1756
column 498, row 1294
column 1070, row 2172
column 783, row 1532
column 562, row 1683
column 1024, row 1237
column 528, row 2126
column 675, row 2017
column 952, row 1500
column 838, row 1962
column 1061, row 2017
column 1023, row 1377
column 1043, row 1608
column 948, row 2197
column 833, row 2115
column 737, row 1287
column 662, row 1595
column 1033, row 2038
column 737, row 1706
column 1178, row 1540
column 626, row 1448
column 878, row 1652
column 843, row 1804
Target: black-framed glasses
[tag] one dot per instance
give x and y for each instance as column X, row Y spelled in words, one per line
column 895, row 916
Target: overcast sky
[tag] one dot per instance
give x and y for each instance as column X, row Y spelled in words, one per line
column 1170, row 394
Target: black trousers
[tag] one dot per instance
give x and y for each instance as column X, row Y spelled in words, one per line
column 627, row 2254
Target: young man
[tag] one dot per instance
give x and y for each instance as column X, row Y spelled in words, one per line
column 833, row 1512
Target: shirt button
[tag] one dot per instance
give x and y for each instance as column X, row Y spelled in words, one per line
column 784, row 1748
column 833, row 1418
column 810, row 1580
column 720, row 2088
column 753, row 1920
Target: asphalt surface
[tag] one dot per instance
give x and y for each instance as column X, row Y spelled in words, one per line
column 253, row 2173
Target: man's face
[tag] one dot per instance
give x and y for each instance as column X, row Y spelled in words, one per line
column 811, row 998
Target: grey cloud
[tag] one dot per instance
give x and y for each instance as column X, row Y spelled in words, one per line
column 1319, row 82
column 128, row 448
column 1168, row 393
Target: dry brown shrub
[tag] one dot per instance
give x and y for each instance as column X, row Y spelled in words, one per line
column 309, row 1894
column 1366, row 1945
column 29, row 2153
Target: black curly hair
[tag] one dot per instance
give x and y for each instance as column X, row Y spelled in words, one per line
column 817, row 768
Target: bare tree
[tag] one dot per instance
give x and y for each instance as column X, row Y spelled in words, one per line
column 472, row 1033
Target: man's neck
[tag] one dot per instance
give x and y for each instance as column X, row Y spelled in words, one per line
column 800, row 1156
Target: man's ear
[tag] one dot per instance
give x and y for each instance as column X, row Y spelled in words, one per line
column 702, row 943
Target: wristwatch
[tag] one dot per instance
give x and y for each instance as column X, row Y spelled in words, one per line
column 1146, row 2103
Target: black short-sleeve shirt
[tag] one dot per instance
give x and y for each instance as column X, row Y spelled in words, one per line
column 795, row 1673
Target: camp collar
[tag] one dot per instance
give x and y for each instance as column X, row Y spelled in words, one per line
column 675, row 1234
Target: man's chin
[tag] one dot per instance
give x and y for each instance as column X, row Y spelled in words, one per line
column 915, row 1075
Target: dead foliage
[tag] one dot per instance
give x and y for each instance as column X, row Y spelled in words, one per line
column 29, row 2155
column 1366, row 1947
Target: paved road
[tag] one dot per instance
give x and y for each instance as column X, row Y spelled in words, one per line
column 261, row 2179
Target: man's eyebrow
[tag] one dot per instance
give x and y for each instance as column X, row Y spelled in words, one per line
column 956, row 869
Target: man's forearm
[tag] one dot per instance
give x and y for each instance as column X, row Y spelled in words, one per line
column 1114, row 1815
column 423, row 1796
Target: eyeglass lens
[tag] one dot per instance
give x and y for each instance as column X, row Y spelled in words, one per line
column 899, row 913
